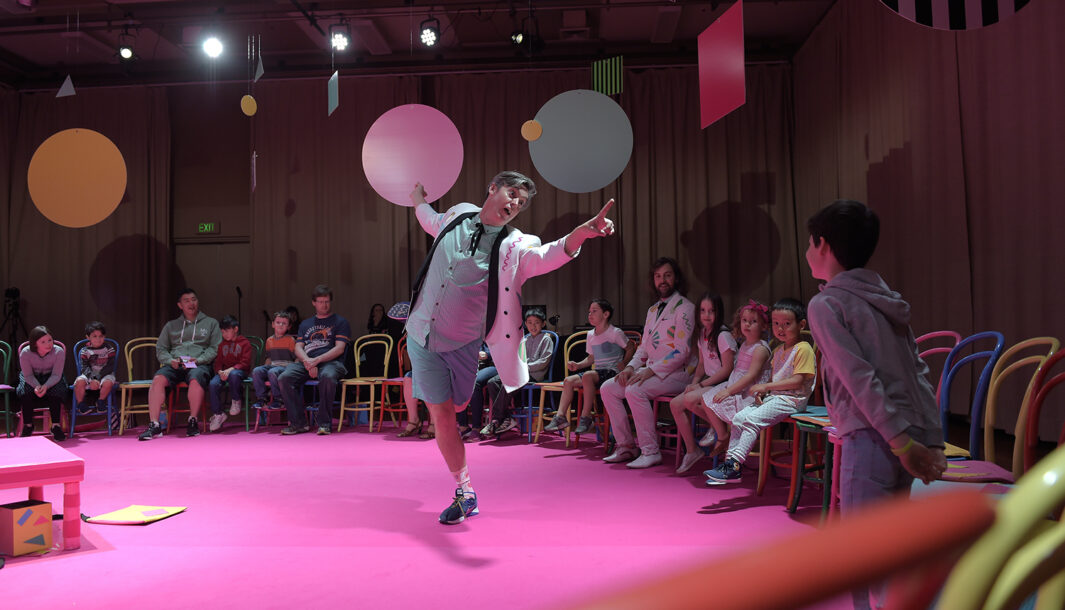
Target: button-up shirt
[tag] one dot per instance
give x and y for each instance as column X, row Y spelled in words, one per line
column 452, row 307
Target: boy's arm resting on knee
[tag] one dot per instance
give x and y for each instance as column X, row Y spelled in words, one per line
column 843, row 354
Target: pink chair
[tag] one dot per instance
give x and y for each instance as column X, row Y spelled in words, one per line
column 937, row 349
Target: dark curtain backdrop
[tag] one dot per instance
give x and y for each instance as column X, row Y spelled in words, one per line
column 955, row 139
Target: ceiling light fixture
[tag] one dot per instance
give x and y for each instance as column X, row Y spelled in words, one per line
column 430, row 31
column 212, row 46
column 340, row 35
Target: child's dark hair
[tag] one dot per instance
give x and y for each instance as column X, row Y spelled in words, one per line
column 282, row 314
column 536, row 311
column 851, row 229
column 321, row 290
column 184, row 291
column 719, row 322
column 680, row 284
column 94, row 326
column 605, row 305
column 758, row 308
column 228, row 322
column 795, row 306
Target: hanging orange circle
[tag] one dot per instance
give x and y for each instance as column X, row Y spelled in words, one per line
column 248, row 105
column 531, row 130
column 77, row 177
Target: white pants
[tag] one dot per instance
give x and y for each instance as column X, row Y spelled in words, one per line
column 639, row 398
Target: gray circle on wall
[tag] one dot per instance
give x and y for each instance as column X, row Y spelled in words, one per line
column 586, row 142
column 957, row 14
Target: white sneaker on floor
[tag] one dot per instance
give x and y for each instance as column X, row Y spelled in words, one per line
column 689, row 460
column 646, row 461
column 234, row 408
column 708, row 439
column 216, row 422
column 621, row 454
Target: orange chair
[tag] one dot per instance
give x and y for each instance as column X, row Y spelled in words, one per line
column 1045, row 384
column 387, row 404
column 899, row 537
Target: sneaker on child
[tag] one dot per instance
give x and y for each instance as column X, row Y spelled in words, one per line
column 215, row 424
column 689, row 460
column 585, row 425
column 154, row 430
column 557, row 423
column 234, row 408
column 490, row 429
column 729, row 471
column 507, row 424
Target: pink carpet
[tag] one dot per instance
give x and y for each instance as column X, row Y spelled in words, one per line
column 308, row 521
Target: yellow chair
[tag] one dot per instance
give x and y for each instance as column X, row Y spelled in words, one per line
column 126, row 388
column 359, row 382
column 1023, row 552
column 572, row 342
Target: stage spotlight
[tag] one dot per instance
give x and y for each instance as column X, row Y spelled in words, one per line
column 340, row 36
column 125, row 52
column 430, row 31
column 212, row 47
column 517, row 37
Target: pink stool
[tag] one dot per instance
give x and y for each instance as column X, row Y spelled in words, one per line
column 34, row 462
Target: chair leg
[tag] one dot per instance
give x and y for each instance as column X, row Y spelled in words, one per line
column 798, row 467
column 765, row 444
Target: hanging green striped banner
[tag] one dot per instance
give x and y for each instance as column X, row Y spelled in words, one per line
column 606, row 75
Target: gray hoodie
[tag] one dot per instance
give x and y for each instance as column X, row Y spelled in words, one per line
column 873, row 375
column 198, row 339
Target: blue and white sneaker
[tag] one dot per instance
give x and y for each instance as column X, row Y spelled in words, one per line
column 461, row 507
column 729, row 471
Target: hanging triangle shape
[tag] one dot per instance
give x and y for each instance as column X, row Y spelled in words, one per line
column 259, row 71
column 67, row 89
column 38, row 540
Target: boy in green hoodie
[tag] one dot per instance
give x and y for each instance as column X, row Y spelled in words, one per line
column 185, row 349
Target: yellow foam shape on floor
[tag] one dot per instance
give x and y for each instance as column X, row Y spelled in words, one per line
column 137, row 514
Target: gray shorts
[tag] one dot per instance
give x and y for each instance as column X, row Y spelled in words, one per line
column 110, row 378
column 201, row 374
column 442, row 376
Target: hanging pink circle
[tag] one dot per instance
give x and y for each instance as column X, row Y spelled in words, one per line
column 409, row 144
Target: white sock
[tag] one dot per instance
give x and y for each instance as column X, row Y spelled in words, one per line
column 462, row 477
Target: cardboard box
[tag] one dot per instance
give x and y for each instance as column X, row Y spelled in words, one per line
column 25, row 527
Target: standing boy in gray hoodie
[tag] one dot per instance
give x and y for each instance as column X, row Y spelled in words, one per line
column 880, row 399
column 185, row 349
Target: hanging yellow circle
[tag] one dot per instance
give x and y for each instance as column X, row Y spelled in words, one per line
column 77, row 178
column 531, row 130
column 248, row 105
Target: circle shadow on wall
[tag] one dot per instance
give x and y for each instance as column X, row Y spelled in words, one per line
column 119, row 291
column 732, row 247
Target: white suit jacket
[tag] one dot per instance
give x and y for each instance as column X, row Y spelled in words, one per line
column 521, row 256
column 666, row 343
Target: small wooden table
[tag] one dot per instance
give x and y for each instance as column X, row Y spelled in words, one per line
column 35, row 462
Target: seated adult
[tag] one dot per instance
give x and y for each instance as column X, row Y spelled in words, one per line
column 185, row 349
column 320, row 344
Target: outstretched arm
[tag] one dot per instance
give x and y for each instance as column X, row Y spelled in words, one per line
column 599, row 226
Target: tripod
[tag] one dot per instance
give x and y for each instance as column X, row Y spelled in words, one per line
column 13, row 316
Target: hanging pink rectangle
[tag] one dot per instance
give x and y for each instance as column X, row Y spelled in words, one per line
column 722, row 73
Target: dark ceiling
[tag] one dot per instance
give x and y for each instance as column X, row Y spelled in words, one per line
column 43, row 42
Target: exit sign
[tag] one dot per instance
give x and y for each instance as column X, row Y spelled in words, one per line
column 207, row 227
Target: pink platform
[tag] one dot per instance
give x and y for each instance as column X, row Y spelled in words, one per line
column 35, row 462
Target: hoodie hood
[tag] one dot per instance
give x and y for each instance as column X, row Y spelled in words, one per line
column 870, row 287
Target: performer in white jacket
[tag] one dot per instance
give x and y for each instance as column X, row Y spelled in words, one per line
column 469, row 290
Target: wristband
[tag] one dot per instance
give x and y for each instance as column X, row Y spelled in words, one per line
column 904, row 449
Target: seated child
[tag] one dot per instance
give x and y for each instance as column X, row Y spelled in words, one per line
column 794, row 373
column 97, row 376
column 717, row 350
column 280, row 350
column 725, row 400
column 537, row 348
column 607, row 346
column 230, row 367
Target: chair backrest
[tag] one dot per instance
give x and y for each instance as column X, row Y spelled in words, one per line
column 554, row 354
column 381, row 339
column 1011, row 361
column 83, row 343
column 635, row 336
column 954, row 363
column 573, row 342
column 401, row 355
column 259, row 345
column 1018, row 553
column 137, row 344
column 1043, row 383
column 935, row 336
column 5, row 362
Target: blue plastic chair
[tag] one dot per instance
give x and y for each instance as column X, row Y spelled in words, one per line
column 529, row 409
column 74, row 404
column 953, row 364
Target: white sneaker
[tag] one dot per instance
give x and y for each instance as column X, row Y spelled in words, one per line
column 646, row 461
column 708, row 439
column 507, row 424
column 621, row 454
column 216, row 422
column 689, row 460
column 234, row 408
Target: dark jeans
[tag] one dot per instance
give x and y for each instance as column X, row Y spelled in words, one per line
column 474, row 416
column 292, row 380
column 52, row 399
column 235, row 383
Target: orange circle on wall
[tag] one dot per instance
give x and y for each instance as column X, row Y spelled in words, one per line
column 77, row 177
column 531, row 130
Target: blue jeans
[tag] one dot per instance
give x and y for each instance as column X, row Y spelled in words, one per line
column 291, row 382
column 235, row 382
column 260, row 375
column 474, row 415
